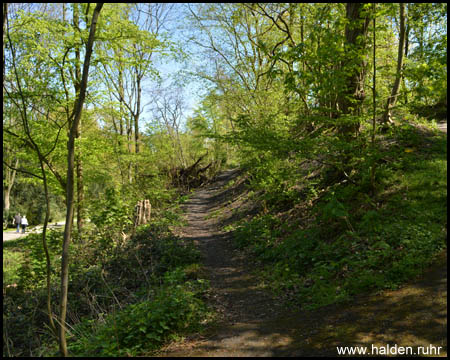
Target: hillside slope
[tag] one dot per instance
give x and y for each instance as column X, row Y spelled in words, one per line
column 254, row 323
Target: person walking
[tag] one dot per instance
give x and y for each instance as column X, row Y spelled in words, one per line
column 24, row 224
column 17, row 220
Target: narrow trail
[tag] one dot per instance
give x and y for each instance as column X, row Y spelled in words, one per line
column 235, row 288
column 253, row 323
column 244, row 308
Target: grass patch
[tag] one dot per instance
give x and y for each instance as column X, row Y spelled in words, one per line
column 11, row 263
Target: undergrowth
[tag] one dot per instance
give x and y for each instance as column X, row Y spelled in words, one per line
column 353, row 241
column 127, row 296
column 175, row 309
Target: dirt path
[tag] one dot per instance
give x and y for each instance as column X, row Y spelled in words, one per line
column 255, row 324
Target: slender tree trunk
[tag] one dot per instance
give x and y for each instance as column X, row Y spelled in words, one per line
column 180, row 146
column 398, row 75
column 374, row 100
column 80, row 194
column 10, row 176
column 137, row 113
column 5, row 14
column 129, row 147
column 78, row 158
column 121, row 112
column 70, row 182
column 44, row 245
column 121, row 105
column 405, row 89
column 136, row 119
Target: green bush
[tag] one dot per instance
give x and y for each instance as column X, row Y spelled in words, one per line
column 32, row 272
column 144, row 326
column 131, row 274
column 111, row 215
column 358, row 241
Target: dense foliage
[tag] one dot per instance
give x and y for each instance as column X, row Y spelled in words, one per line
column 148, row 287
column 329, row 109
column 335, row 241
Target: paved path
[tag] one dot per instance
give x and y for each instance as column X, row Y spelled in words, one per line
column 442, row 126
column 38, row 229
column 12, row 235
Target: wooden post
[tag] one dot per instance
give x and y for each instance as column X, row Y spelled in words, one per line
column 142, row 212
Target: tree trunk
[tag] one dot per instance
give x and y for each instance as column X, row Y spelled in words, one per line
column 136, row 119
column 5, row 14
column 129, row 147
column 78, row 160
column 353, row 92
column 10, row 176
column 121, row 96
column 7, row 191
column 45, row 247
column 405, row 89
column 80, row 195
column 143, row 211
column 374, row 98
column 398, row 76
column 70, row 182
column 137, row 113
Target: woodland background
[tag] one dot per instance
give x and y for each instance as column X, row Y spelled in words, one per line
column 326, row 108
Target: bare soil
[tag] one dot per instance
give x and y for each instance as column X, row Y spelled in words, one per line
column 254, row 323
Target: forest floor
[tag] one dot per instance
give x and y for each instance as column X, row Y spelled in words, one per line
column 254, row 323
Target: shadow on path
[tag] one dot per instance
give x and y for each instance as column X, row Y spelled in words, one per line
column 253, row 323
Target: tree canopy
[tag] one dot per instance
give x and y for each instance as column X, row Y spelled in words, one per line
column 100, row 112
